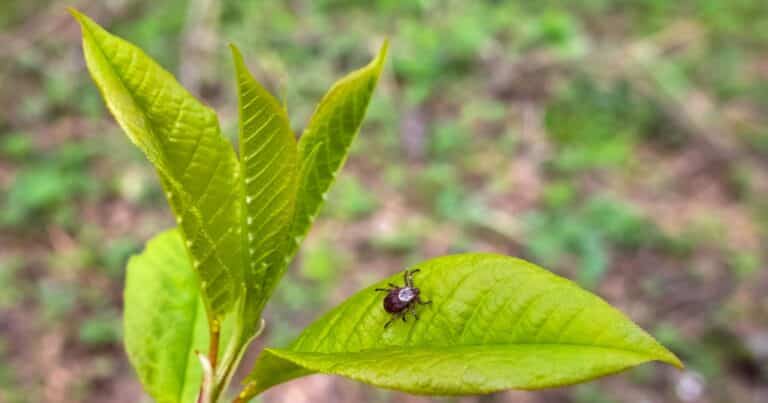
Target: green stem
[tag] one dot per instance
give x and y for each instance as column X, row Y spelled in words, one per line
column 213, row 347
column 231, row 359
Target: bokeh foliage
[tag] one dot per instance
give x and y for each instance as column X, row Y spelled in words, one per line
column 596, row 137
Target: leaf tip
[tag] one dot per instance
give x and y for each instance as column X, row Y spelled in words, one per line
column 234, row 49
column 87, row 24
column 671, row 359
column 75, row 13
column 379, row 61
column 81, row 18
column 237, row 58
column 662, row 354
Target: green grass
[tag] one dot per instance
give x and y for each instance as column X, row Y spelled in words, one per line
column 47, row 184
column 585, row 232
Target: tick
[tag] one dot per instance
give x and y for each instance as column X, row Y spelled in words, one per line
column 400, row 301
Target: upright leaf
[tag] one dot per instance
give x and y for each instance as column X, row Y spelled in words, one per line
column 181, row 137
column 495, row 322
column 164, row 320
column 325, row 143
column 269, row 171
column 322, row 151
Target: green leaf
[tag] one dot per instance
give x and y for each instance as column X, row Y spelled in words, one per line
column 269, row 166
column 324, row 146
column 181, row 137
column 165, row 320
column 495, row 323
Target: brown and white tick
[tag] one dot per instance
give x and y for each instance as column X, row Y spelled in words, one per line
column 400, row 301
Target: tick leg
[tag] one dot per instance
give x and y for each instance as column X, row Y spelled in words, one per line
column 383, row 289
column 412, row 310
column 394, row 317
column 409, row 277
column 392, row 285
column 418, row 300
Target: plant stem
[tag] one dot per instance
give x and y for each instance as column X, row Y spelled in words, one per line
column 214, row 331
column 231, row 360
column 240, row 357
column 206, row 386
column 213, row 345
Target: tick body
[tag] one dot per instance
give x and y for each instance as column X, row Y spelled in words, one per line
column 400, row 301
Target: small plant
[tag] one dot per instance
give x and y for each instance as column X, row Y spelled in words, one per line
column 194, row 297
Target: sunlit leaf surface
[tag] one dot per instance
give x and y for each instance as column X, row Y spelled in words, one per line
column 181, row 137
column 495, row 323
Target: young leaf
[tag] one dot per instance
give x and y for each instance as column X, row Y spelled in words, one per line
column 495, row 323
column 325, row 143
column 268, row 161
column 165, row 320
column 322, row 151
column 181, row 137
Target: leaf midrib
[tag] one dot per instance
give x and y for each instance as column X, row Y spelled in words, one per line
column 449, row 348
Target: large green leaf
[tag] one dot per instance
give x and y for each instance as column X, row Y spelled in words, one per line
column 181, row 137
column 495, row 323
column 165, row 320
column 269, row 171
column 325, row 143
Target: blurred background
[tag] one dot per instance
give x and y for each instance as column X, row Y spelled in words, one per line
column 623, row 144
